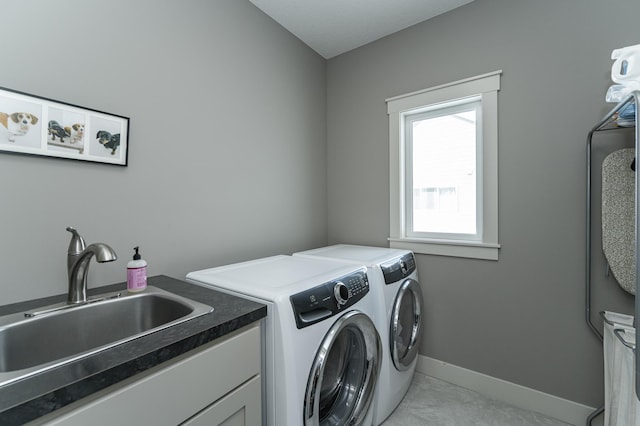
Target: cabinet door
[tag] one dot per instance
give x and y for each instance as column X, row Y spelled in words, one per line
column 172, row 392
column 239, row 408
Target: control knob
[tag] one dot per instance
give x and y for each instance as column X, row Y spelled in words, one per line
column 341, row 292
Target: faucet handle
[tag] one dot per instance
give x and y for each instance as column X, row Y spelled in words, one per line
column 77, row 244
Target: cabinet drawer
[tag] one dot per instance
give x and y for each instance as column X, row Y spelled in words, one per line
column 239, row 408
column 174, row 391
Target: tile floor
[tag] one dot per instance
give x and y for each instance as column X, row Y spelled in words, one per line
column 433, row 402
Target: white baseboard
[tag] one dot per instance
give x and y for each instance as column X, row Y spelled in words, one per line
column 511, row 393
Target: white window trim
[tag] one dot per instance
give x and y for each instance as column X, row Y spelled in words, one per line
column 487, row 86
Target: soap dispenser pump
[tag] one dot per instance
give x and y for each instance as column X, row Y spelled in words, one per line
column 136, row 273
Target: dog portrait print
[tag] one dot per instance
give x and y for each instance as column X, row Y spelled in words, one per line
column 65, row 130
column 17, row 123
column 108, row 140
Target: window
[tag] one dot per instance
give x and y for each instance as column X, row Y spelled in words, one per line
column 444, row 169
column 441, row 171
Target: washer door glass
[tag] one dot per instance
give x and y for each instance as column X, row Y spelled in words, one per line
column 344, row 373
column 406, row 324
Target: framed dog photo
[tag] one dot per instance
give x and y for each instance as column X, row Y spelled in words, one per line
column 38, row 126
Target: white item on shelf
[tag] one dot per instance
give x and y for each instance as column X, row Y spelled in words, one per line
column 626, row 67
column 617, row 92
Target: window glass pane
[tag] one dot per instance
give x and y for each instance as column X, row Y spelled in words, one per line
column 444, row 172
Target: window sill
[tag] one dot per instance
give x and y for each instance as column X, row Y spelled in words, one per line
column 467, row 249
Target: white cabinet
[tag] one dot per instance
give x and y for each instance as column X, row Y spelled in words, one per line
column 216, row 384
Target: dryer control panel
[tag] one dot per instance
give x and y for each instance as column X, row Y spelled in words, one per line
column 398, row 269
column 330, row 298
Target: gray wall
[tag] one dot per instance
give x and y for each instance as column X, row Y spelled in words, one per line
column 227, row 158
column 227, row 154
column 520, row 318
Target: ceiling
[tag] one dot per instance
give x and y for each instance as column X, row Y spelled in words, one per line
column 332, row 27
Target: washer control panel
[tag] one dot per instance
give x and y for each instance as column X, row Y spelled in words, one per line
column 330, row 298
column 397, row 269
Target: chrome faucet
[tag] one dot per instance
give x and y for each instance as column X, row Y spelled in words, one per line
column 78, row 258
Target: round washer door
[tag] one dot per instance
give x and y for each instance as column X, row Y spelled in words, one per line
column 344, row 373
column 406, row 324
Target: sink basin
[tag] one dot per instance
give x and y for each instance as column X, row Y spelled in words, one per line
column 54, row 335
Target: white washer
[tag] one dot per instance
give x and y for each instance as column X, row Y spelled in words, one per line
column 322, row 352
column 394, row 280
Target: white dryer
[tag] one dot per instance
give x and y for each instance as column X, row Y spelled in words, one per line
column 322, row 352
column 394, row 280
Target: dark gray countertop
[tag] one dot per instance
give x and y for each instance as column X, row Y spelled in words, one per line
column 45, row 392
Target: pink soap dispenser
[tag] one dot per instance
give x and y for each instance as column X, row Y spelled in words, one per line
column 136, row 273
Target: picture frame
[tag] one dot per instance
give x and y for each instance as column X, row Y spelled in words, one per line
column 34, row 125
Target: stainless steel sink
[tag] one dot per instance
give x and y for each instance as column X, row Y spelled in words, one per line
column 46, row 338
